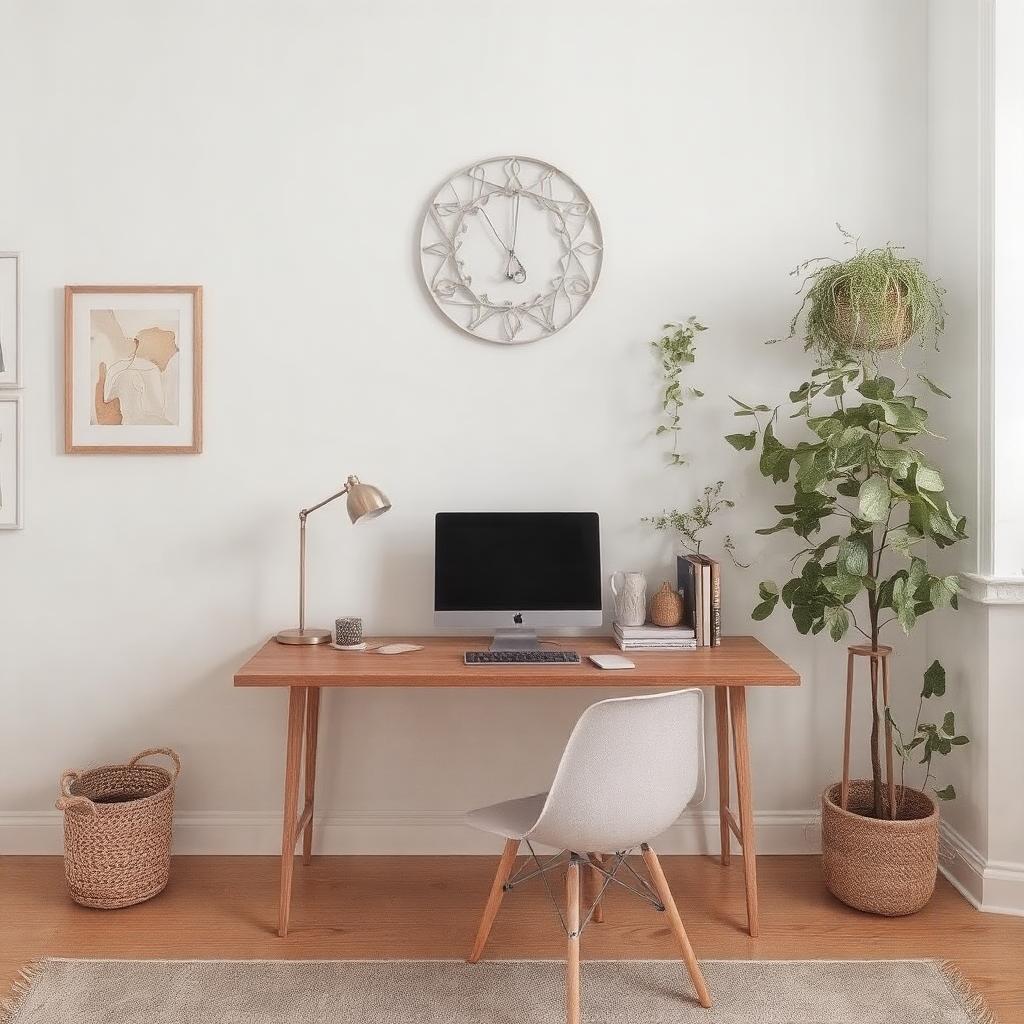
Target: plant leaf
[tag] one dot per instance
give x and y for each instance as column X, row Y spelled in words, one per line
column 873, row 499
column 742, row 442
column 934, row 680
column 946, row 793
column 932, row 386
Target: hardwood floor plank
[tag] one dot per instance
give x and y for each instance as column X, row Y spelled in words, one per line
column 384, row 907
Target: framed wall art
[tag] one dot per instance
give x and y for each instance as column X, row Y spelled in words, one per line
column 133, row 369
column 11, row 474
column 10, row 320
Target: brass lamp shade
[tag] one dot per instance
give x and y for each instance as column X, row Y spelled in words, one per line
column 364, row 500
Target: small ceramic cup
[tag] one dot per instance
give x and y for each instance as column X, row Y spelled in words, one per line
column 348, row 631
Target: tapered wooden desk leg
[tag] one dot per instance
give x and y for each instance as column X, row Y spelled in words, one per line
column 309, row 774
column 676, row 924
column 741, row 750
column 844, row 789
column 722, row 744
column 890, row 780
column 292, row 768
column 505, row 865
column 572, row 960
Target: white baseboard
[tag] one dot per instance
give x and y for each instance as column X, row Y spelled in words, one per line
column 997, row 887
column 395, row 832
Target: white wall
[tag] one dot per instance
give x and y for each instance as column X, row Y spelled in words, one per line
column 281, row 155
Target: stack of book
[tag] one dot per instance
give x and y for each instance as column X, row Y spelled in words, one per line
column 655, row 638
column 700, row 584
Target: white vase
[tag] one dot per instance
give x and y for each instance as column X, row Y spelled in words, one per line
column 630, row 598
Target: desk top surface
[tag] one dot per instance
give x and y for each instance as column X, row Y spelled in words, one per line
column 740, row 661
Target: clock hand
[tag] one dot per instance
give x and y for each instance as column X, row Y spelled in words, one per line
column 517, row 272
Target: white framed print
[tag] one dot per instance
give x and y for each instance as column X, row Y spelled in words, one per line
column 133, row 369
column 10, row 320
column 11, row 470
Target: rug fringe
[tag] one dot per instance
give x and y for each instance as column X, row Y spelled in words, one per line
column 972, row 1001
column 20, row 988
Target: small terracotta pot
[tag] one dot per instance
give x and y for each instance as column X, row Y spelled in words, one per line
column 666, row 606
column 874, row 864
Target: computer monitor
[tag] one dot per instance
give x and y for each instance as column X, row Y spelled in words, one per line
column 517, row 572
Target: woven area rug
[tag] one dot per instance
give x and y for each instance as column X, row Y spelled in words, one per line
column 504, row 992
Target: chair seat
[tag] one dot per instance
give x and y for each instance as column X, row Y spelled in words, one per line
column 512, row 819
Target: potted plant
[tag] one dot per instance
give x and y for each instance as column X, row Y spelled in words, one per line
column 875, row 299
column 865, row 501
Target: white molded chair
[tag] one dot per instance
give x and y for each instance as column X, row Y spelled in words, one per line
column 628, row 771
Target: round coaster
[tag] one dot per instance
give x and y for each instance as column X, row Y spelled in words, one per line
column 352, row 647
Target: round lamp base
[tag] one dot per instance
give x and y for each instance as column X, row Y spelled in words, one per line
column 303, row 636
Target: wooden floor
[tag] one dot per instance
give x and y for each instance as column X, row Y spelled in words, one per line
column 383, row 907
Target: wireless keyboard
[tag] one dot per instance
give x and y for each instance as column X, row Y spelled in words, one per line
column 522, row 658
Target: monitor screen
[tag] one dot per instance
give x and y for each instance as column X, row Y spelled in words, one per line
column 517, row 561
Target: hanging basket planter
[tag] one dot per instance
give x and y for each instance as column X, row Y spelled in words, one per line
column 117, row 830
column 888, row 322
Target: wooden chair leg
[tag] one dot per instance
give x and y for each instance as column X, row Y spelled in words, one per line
column 596, row 884
column 505, row 865
column 676, row 924
column 572, row 923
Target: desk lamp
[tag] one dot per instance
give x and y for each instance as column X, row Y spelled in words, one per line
column 364, row 502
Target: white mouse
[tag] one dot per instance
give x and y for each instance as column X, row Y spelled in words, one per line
column 611, row 661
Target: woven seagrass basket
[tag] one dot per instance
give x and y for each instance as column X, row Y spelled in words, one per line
column 874, row 864
column 117, row 830
column 892, row 333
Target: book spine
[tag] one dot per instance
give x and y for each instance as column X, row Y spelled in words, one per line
column 698, row 598
column 716, row 603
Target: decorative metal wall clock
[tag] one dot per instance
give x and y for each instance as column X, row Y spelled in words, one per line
column 511, row 249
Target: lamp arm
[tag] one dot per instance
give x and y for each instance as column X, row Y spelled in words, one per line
column 302, row 551
column 320, row 504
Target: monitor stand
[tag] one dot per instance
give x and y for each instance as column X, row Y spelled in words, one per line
column 515, row 640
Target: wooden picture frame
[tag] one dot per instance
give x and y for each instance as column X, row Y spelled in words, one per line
column 10, row 320
column 133, row 357
column 12, row 464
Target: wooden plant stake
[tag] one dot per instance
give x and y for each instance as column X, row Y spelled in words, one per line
column 878, row 657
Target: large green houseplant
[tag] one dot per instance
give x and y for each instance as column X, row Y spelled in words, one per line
column 865, row 502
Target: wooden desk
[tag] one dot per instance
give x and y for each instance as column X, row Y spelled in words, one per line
column 741, row 661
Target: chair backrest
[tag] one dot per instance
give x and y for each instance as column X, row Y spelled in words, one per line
column 628, row 771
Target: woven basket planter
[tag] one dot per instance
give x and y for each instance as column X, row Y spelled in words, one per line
column 117, row 830
column 876, row 865
column 894, row 332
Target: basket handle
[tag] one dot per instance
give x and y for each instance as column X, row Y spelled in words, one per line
column 166, row 751
column 66, row 801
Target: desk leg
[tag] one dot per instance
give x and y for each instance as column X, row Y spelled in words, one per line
column 309, row 774
column 738, row 713
column 289, row 832
column 724, row 785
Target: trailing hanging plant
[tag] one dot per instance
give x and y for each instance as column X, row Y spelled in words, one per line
column 676, row 349
column 864, row 501
column 875, row 299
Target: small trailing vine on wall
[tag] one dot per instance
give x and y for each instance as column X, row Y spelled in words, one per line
column 676, row 349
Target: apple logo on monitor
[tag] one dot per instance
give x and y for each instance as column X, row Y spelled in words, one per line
column 518, row 618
